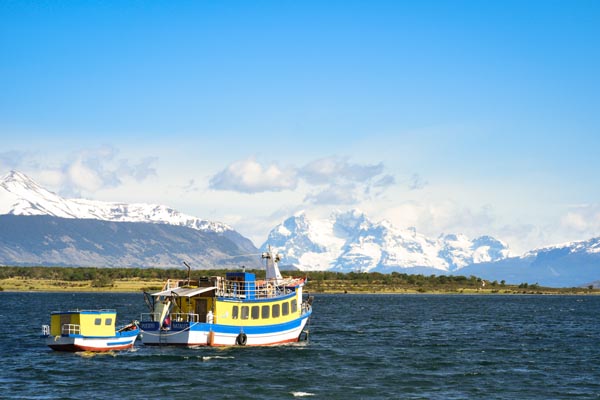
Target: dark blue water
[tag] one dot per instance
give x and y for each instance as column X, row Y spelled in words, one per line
column 361, row 347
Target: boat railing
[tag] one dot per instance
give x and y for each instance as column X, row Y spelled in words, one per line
column 144, row 317
column 256, row 290
column 184, row 317
column 71, row 329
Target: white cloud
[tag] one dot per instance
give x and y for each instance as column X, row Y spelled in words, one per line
column 334, row 195
column 51, row 177
column 249, row 176
column 326, row 170
column 190, row 186
column 89, row 171
column 328, row 180
column 140, row 171
column 82, row 177
column 11, row 159
column 416, row 182
column 436, row 218
column 86, row 171
column 583, row 220
column 385, row 181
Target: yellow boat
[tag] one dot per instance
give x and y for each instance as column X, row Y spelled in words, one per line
column 88, row 330
column 233, row 310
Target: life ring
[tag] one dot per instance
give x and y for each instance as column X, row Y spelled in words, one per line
column 241, row 339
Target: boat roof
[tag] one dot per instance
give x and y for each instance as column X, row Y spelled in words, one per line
column 104, row 311
column 184, row 292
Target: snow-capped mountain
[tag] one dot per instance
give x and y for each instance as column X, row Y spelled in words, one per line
column 563, row 265
column 350, row 241
column 38, row 227
column 20, row 195
column 590, row 246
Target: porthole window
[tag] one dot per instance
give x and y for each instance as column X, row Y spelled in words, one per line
column 108, row 321
column 275, row 310
column 98, row 321
column 235, row 312
column 255, row 312
column 245, row 312
column 285, row 308
column 294, row 306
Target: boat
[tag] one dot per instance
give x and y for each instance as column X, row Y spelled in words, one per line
column 235, row 310
column 88, row 330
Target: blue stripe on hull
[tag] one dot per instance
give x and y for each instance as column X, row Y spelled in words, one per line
column 250, row 330
column 235, row 329
column 118, row 343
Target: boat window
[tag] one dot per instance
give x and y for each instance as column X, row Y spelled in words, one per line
column 245, row 310
column 275, row 310
column 294, row 306
column 255, row 312
column 108, row 321
column 234, row 312
column 98, row 321
column 266, row 310
column 285, row 308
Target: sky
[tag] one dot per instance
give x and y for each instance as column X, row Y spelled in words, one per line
column 471, row 117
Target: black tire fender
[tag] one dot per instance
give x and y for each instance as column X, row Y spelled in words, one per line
column 241, row 339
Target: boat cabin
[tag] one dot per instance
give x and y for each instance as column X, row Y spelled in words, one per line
column 83, row 322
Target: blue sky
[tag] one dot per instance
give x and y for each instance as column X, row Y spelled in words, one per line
column 450, row 116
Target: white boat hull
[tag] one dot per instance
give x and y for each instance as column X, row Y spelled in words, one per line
column 203, row 334
column 79, row 343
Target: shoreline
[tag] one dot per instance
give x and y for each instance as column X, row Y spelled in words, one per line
column 133, row 285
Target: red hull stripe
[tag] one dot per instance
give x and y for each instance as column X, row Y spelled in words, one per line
column 73, row 348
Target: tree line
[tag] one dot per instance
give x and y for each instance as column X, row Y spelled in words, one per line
column 104, row 274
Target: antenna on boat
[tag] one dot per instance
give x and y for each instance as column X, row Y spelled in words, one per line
column 271, row 265
column 189, row 271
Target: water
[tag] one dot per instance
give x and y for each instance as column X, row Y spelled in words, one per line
column 361, row 347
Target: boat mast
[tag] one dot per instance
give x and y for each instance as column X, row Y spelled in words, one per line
column 272, row 268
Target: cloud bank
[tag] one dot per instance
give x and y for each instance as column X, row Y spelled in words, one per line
column 331, row 180
column 249, row 176
column 86, row 171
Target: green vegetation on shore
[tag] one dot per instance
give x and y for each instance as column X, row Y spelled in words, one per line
column 135, row 279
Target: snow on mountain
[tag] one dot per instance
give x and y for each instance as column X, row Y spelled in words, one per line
column 350, row 241
column 20, row 195
column 305, row 242
column 590, row 246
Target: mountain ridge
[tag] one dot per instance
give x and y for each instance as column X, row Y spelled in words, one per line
column 20, row 195
column 53, row 241
column 71, row 232
column 350, row 241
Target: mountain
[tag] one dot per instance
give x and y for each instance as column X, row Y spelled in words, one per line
column 39, row 227
column 350, row 241
column 565, row 265
column 46, row 240
column 20, row 195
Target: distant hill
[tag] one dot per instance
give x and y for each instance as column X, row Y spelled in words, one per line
column 567, row 265
column 45, row 240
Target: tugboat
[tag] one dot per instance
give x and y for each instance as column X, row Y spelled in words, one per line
column 88, row 330
column 235, row 310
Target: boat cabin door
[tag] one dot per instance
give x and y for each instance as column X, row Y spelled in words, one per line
column 201, row 309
